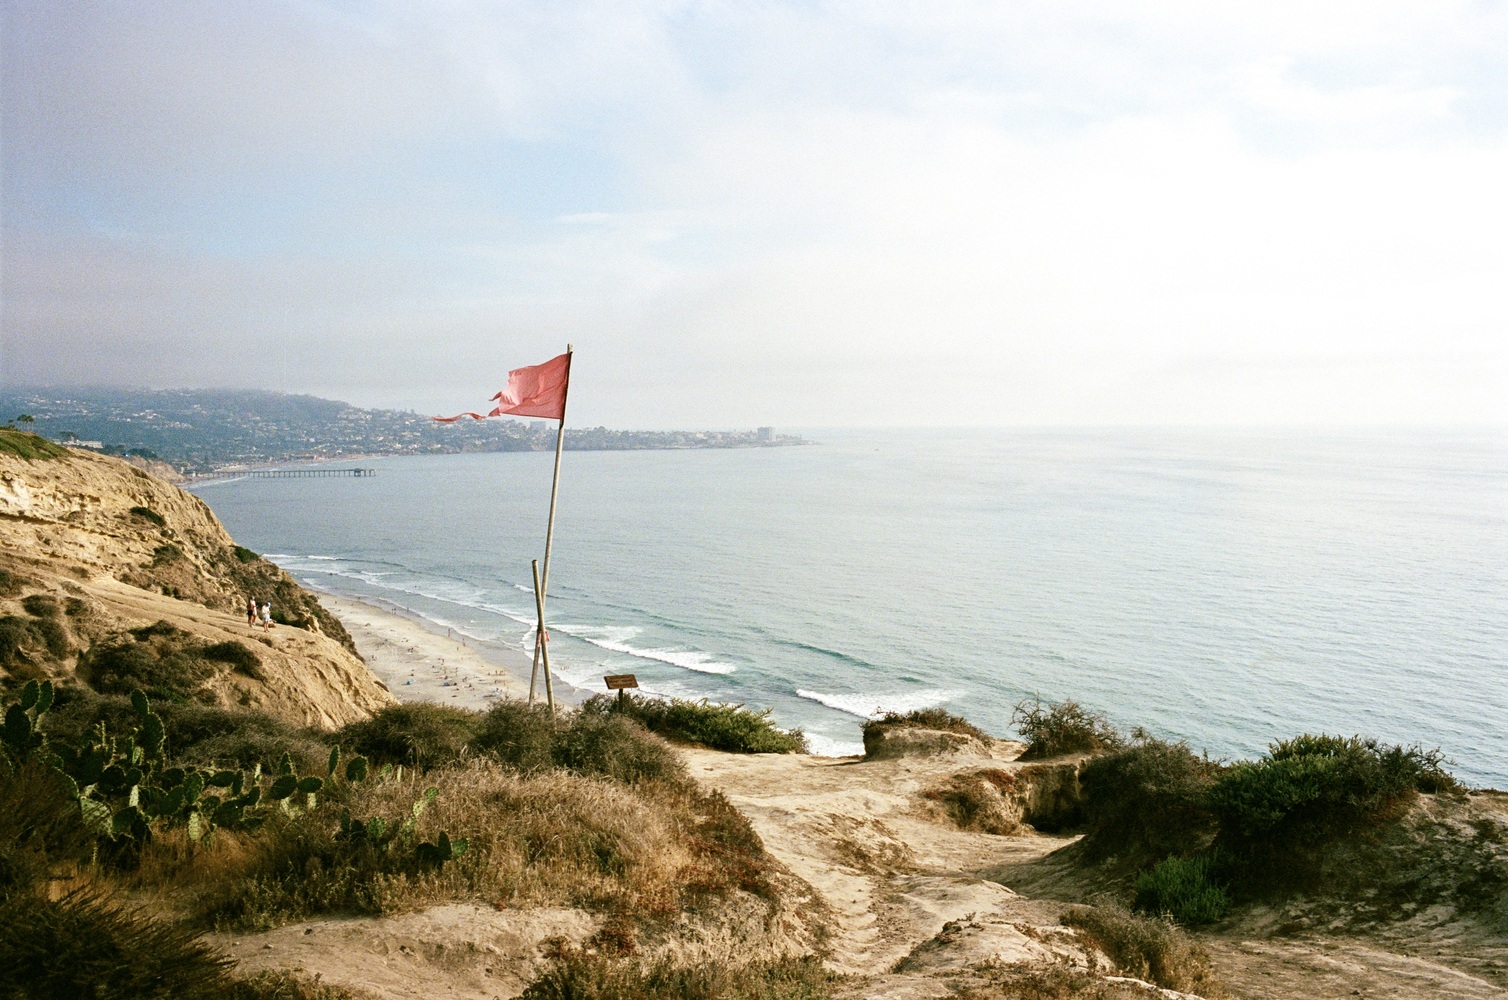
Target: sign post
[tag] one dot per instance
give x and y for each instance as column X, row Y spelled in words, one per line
column 621, row 683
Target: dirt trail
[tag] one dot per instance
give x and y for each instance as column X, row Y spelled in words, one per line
column 903, row 884
column 859, row 833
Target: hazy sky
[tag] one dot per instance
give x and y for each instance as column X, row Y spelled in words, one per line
column 749, row 212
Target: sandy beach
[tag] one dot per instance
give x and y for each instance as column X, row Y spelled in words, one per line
column 419, row 664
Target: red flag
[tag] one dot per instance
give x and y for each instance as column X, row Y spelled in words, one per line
column 535, row 391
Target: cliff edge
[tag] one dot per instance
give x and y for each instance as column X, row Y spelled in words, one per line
column 115, row 579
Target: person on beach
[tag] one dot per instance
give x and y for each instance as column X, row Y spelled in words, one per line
column 251, row 612
column 266, row 615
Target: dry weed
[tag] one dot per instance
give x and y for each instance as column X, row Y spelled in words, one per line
column 1147, row 948
column 554, row 838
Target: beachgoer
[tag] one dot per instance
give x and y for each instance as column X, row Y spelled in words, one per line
column 251, row 611
column 266, row 615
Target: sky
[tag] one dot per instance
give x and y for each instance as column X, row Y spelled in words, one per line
column 801, row 214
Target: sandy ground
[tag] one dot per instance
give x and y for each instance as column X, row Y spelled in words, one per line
column 421, row 665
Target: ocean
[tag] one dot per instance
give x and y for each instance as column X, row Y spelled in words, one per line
column 1227, row 588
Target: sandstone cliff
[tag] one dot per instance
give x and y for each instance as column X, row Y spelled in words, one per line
column 95, row 552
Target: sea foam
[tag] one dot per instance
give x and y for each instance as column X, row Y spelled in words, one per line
column 874, row 705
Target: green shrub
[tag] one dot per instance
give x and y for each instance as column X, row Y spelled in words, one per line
column 160, row 659
column 733, row 728
column 1280, row 816
column 244, row 554
column 1055, row 728
column 1313, row 788
column 932, row 718
column 593, row 741
column 41, row 605
column 149, row 514
column 417, row 735
column 166, row 553
column 1147, row 948
column 1147, row 801
column 517, row 734
column 28, row 644
column 11, row 584
column 581, row 976
column 615, row 747
column 237, row 655
column 1184, row 889
column 195, row 735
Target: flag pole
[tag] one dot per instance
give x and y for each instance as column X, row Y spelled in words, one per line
column 541, row 643
column 543, row 586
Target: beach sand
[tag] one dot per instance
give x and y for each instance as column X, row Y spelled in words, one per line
column 420, row 664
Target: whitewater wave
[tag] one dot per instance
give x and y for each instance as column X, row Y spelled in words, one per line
column 474, row 602
column 702, row 663
column 826, row 746
column 615, row 639
column 874, row 705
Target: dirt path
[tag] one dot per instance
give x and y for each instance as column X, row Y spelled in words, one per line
column 913, row 905
column 1324, row 967
column 892, row 877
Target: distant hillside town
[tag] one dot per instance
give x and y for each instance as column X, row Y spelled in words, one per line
column 199, row 431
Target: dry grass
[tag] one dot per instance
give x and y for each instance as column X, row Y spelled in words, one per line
column 924, row 732
column 1051, row 982
column 1147, row 948
column 547, row 839
column 980, row 800
column 578, row 976
column 1052, row 729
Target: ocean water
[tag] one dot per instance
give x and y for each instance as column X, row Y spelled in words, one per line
column 1226, row 588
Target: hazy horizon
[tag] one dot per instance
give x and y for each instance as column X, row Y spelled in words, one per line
column 1155, row 214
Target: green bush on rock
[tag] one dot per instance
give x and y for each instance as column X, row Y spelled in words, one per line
column 733, row 728
column 1052, row 729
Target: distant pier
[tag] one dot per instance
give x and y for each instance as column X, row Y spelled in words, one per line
column 306, row 473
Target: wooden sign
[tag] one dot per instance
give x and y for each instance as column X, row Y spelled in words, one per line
column 617, row 682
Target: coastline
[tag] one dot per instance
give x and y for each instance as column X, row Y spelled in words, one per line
column 418, row 663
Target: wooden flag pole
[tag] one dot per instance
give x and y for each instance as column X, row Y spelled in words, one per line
column 540, row 642
column 542, row 587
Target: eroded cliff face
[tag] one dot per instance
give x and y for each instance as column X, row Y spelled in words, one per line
column 94, row 550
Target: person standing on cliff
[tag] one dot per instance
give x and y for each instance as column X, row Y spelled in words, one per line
column 266, row 615
column 251, row 612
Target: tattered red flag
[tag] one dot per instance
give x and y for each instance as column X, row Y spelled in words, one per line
column 535, row 391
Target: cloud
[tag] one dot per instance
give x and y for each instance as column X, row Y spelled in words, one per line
column 845, row 213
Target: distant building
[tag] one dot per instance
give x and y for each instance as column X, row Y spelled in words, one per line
column 95, row 445
column 764, row 435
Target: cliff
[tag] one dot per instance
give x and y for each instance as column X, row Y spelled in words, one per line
column 101, row 563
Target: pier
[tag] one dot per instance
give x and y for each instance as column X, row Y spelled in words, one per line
column 306, row 473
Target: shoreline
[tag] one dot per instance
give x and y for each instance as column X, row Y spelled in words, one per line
column 419, row 663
